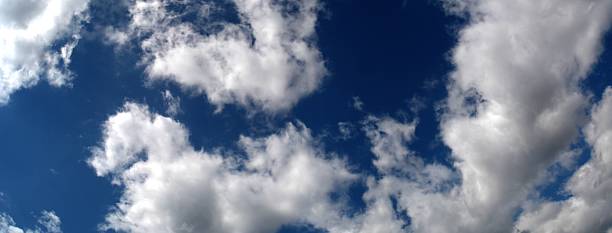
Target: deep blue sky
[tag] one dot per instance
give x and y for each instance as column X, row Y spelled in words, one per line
column 384, row 52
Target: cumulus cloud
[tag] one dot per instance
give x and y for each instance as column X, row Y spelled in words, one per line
column 48, row 222
column 589, row 209
column 514, row 103
column 513, row 111
column 37, row 38
column 171, row 187
column 268, row 61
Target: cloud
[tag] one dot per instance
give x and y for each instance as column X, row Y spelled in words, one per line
column 346, row 130
column 37, row 38
column 168, row 186
column 514, row 109
column 7, row 224
column 268, row 61
column 589, row 209
column 48, row 222
column 357, row 103
column 514, row 103
column 173, row 103
column 389, row 138
column 414, row 186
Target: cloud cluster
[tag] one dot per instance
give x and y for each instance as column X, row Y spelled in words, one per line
column 36, row 39
column 169, row 186
column 267, row 61
column 48, row 222
column 514, row 109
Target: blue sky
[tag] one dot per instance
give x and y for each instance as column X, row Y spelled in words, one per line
column 343, row 116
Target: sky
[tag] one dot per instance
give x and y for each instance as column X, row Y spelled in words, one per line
column 282, row 116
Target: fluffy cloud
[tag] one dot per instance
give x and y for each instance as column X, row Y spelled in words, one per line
column 590, row 207
column 48, row 223
column 267, row 61
column 514, row 108
column 515, row 104
column 30, row 32
column 171, row 187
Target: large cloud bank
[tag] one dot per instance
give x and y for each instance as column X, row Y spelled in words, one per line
column 30, row 32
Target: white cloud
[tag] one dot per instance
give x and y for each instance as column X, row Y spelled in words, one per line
column 48, row 223
column 29, row 30
column 112, row 35
column 389, row 139
column 418, row 187
column 346, row 130
column 267, row 62
column 589, row 209
column 380, row 216
column 514, row 108
column 357, row 103
column 8, row 225
column 173, row 103
column 515, row 103
column 171, row 187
